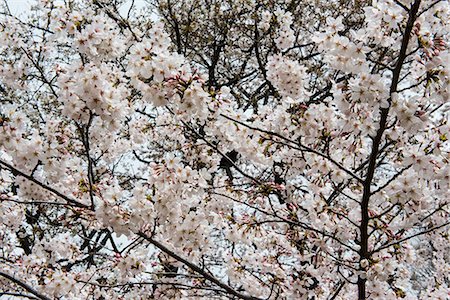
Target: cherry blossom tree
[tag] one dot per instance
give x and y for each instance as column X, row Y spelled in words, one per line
column 225, row 149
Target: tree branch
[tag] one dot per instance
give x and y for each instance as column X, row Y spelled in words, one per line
column 410, row 237
column 197, row 269
column 25, row 286
column 300, row 147
column 44, row 186
column 364, row 253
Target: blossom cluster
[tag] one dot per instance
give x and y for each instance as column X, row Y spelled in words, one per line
column 210, row 155
column 286, row 75
column 285, row 35
column 93, row 89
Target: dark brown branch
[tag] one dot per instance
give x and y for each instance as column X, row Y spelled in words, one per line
column 410, row 237
column 300, row 147
column 16, row 172
column 290, row 222
column 121, row 22
column 430, row 7
column 24, row 286
column 197, row 269
column 155, row 283
column 84, row 134
column 338, row 290
column 35, row 202
column 42, row 72
column 200, row 136
column 364, row 235
column 20, row 295
column 401, row 5
column 391, row 180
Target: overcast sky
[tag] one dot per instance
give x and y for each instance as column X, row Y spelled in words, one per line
column 18, row 6
column 21, row 6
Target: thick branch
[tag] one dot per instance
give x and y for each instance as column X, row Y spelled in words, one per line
column 364, row 253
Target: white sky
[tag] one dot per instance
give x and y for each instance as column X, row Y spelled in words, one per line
column 22, row 6
column 18, row 6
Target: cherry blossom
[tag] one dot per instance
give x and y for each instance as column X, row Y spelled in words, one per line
column 225, row 150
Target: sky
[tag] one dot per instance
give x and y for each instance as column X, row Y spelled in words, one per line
column 18, row 6
column 22, row 6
